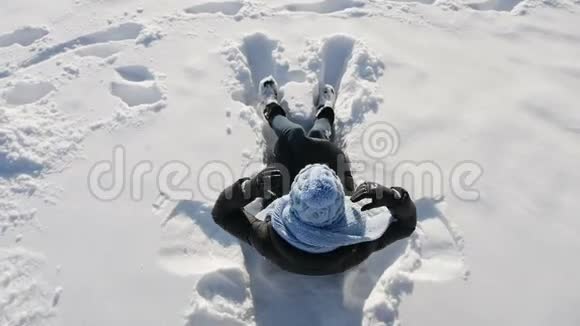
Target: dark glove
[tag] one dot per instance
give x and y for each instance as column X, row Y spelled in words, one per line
column 267, row 184
column 378, row 194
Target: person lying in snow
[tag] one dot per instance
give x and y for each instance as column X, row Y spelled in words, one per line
column 312, row 228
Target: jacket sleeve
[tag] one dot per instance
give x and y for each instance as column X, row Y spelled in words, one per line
column 228, row 213
column 404, row 220
column 346, row 176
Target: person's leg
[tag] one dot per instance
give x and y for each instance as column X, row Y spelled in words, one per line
column 291, row 139
column 323, row 128
column 323, row 125
column 291, row 133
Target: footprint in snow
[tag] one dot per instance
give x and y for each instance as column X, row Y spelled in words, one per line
column 222, row 298
column 26, row 92
column 494, row 5
column 99, row 50
column 325, row 7
column 137, row 86
column 229, row 8
column 135, row 73
column 84, row 45
column 23, row 36
column 121, row 32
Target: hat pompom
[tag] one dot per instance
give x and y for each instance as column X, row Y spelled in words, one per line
column 317, row 195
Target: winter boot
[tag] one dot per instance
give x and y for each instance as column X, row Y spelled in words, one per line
column 268, row 93
column 326, row 100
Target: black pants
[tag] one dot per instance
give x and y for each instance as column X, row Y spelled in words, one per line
column 284, row 128
column 295, row 149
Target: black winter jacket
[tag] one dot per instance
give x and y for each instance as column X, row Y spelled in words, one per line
column 229, row 213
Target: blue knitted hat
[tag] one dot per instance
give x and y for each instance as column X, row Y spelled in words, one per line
column 317, row 217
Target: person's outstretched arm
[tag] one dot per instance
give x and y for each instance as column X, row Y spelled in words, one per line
column 404, row 214
column 398, row 202
column 349, row 185
column 228, row 211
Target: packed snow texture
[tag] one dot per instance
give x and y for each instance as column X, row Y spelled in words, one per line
column 25, row 299
column 440, row 83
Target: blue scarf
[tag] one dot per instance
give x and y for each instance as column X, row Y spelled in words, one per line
column 317, row 217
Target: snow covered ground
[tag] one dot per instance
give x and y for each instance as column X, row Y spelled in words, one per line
column 158, row 99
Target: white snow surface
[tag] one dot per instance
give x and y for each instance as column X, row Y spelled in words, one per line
column 165, row 84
